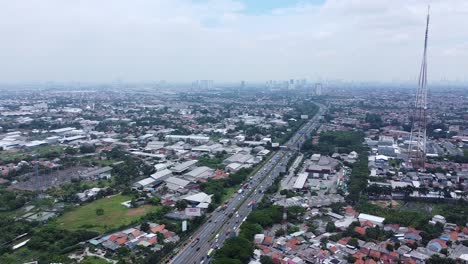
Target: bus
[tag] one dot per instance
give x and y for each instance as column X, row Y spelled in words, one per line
column 210, row 252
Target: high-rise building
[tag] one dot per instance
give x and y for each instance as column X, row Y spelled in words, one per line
column 318, row 89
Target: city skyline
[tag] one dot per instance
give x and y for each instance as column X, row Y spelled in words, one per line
column 227, row 40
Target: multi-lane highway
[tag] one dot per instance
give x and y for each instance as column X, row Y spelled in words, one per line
column 222, row 222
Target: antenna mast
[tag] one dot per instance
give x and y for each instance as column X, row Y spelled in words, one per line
column 417, row 144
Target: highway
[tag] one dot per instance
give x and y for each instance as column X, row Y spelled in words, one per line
column 216, row 230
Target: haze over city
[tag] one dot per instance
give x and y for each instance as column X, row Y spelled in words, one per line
column 234, row 132
column 227, row 40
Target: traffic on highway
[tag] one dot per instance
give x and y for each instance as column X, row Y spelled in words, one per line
column 225, row 221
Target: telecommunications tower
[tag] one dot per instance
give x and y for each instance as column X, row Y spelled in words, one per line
column 417, row 143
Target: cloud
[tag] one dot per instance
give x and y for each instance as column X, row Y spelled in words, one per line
column 184, row 40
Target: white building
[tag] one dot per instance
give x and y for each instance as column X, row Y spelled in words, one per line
column 376, row 220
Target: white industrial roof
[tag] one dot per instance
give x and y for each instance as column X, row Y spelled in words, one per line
column 371, row 218
column 199, row 171
column 161, row 174
column 200, row 197
column 301, row 179
column 183, row 166
column 176, row 181
column 146, row 181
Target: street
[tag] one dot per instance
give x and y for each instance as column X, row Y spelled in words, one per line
column 221, row 223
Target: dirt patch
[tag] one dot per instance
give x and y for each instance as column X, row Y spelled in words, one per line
column 387, row 204
column 135, row 211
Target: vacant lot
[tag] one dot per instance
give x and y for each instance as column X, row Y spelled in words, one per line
column 114, row 214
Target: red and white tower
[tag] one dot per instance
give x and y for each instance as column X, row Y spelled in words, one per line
column 417, row 145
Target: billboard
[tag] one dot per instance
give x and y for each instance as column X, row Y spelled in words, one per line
column 184, row 226
column 192, row 211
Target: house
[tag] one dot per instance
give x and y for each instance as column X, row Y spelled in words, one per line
column 436, row 245
column 184, row 167
column 360, row 230
column 372, row 218
column 145, row 183
column 198, row 200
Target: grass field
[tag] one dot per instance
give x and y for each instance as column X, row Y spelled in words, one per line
column 115, row 215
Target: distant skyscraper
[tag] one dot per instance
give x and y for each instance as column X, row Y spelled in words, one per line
column 242, row 84
column 318, row 89
column 203, row 84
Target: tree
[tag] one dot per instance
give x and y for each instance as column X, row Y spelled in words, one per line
column 330, row 227
column 226, row 261
column 389, row 247
column 154, row 200
column 264, row 259
column 145, row 227
column 70, row 151
column 87, row 148
column 353, row 242
column 436, row 259
column 235, row 248
column 99, row 211
column 181, row 205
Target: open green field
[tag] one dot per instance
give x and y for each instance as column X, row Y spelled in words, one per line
column 115, row 215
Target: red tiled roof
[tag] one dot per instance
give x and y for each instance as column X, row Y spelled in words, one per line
column 374, row 254
column 267, row 240
column 359, row 255
column 360, row 230
column 454, row 236
column 367, row 223
column 153, row 240
column 344, row 241
column 136, row 233
column 121, row 241
column 393, row 255
column 168, row 234
column 265, row 250
column 158, row 228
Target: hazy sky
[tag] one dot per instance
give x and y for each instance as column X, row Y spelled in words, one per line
column 184, row 40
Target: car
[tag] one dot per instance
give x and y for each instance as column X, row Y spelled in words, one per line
column 198, row 248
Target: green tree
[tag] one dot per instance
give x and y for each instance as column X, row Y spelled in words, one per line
column 145, row 227
column 436, row 259
column 70, row 151
column 235, row 248
column 181, row 204
column 266, row 260
column 99, row 211
column 87, row 148
column 330, row 227
column 353, row 242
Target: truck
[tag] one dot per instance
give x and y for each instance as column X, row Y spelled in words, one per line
column 240, row 191
column 210, row 252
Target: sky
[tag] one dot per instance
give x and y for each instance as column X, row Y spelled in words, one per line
column 230, row 40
